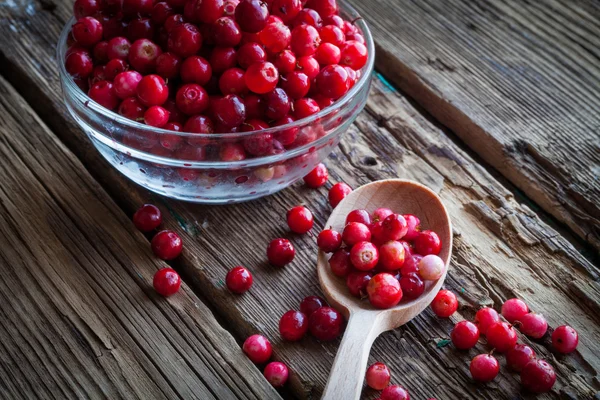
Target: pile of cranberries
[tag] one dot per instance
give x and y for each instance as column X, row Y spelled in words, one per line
column 205, row 66
column 383, row 256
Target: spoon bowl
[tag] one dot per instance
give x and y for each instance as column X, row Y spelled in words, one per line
column 365, row 322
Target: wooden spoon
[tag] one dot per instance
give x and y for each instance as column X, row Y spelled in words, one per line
column 365, row 322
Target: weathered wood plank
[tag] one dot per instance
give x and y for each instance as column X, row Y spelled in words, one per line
column 502, row 248
column 517, row 81
column 80, row 318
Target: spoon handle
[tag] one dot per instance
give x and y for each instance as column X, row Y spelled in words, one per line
column 348, row 371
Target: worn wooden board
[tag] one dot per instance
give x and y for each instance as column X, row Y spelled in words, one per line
column 502, row 248
column 79, row 316
column 517, row 81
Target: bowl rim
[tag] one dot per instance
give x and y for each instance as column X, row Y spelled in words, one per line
column 364, row 79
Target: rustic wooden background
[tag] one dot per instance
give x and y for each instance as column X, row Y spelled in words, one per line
column 493, row 104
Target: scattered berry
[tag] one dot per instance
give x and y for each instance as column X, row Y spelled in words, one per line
column 514, row 309
column 464, row 335
column 276, row 374
column 533, row 325
column 501, row 336
column 486, row 317
column 444, row 303
column 258, row 349
column 280, row 252
column 538, row 376
column 147, row 218
column 484, row 367
column 238, row 280
column 166, row 245
column 166, row 282
column 325, row 323
column 300, row 219
column 394, row 392
column 565, row 339
column 293, row 325
column 310, row 304
column 329, row 240
column 338, row 192
column 519, row 356
column 378, row 376
column 317, row 177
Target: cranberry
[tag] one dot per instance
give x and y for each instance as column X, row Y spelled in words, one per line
column 147, row 218
column 411, row 264
column 514, row 309
column 431, row 268
column 166, row 282
column 168, row 65
column 255, row 106
column 228, row 111
column 184, row 40
column 332, row 81
column 444, row 304
column 565, row 339
column 252, row 15
column 428, row 242
column 391, row 255
column 332, row 34
column 308, row 16
column 257, row 348
column 79, row 64
column 484, row 367
column 229, row 7
column 518, row 357
column 533, row 325
column 160, row 12
column 328, row 54
column 338, row 192
column 276, row 374
column 166, row 245
column 293, row 325
column 152, row 90
column 114, row 67
column 485, row 317
column 305, row 107
column 280, row 252
column 118, row 48
column 287, row 10
column 277, row 104
column 131, row 8
column 364, row 256
column 227, row 32
column 285, row 61
column 356, row 232
column 103, row 93
column 259, row 144
column 317, row 177
column 412, row 286
column 232, row 152
column 310, row 304
column 378, row 376
column 208, row 11
column 239, row 280
column 464, row 335
column 156, row 116
column 394, row 392
column 100, row 52
column 296, row 84
column 141, row 28
column 300, row 219
column 381, row 213
column 250, row 53
column 309, row 66
column 196, row 70
column 501, row 336
column 261, row 77
column 339, row 263
column 275, row 37
column 394, row 227
column 305, row 40
column 334, row 20
column 132, row 108
column 384, row 290
column 173, row 21
column 198, row 124
column 413, row 226
column 85, row 8
column 325, row 323
column 538, row 376
column 125, row 84
column 354, row 54
column 87, row 31
column 232, row 82
column 329, row 240
column 361, row 216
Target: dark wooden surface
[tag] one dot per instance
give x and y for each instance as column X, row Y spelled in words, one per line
column 503, row 248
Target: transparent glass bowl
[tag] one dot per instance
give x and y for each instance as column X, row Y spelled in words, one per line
column 191, row 169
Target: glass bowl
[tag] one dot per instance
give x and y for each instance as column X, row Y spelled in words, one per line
column 187, row 166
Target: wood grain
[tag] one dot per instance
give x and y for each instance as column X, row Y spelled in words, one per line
column 501, row 250
column 80, row 318
column 517, row 81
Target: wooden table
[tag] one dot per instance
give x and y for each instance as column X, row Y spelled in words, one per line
column 493, row 104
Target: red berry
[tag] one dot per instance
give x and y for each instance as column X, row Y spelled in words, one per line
column 332, row 81
column 275, row 37
column 305, row 40
column 293, row 325
column 143, row 54
column 428, row 242
column 276, row 374
column 103, row 93
column 152, row 90
column 378, row 376
column 142, row 28
column 198, row 124
column 277, row 104
column 381, row 213
column 258, row 349
column 147, row 218
column 329, row 240
column 84, row 8
column 412, row 286
column 364, row 256
column 185, row 40
column 533, row 325
column 285, row 61
column 255, row 106
column 394, row 392
column 229, row 111
column 310, row 304
column 115, row 67
column 252, row 15
column 309, row 66
column 391, row 255
column 394, row 227
column 332, row 34
column 191, row 99
column 485, row 317
column 339, row 263
column 361, row 216
column 232, row 82
column 160, row 12
column 300, row 219
column 355, row 232
column 501, row 336
column 413, row 226
column 338, row 192
column 125, row 84
column 132, row 8
column 354, row 54
column 538, row 376
column 232, row 152
column 166, row 282
column 565, row 339
column 518, row 357
column 208, row 11
column 261, row 78
column 411, row 264
column 357, row 282
column 484, row 368
column 431, row 268
column 258, row 144
column 132, row 108
column 156, row 116
column 325, row 323
column 514, row 309
column 166, row 245
column 327, row 54
column 305, row 107
column 79, row 64
column 118, row 48
column 87, row 31
column 464, row 335
column 287, row 10
column 251, row 53
column 325, row 8
column 384, row 291
column 168, row 65
column 196, row 70
column 100, row 52
column 317, row 177
column 296, row 84
column 280, row 252
column 444, row 304
column 308, row 16
column 239, row 280
column 226, row 32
